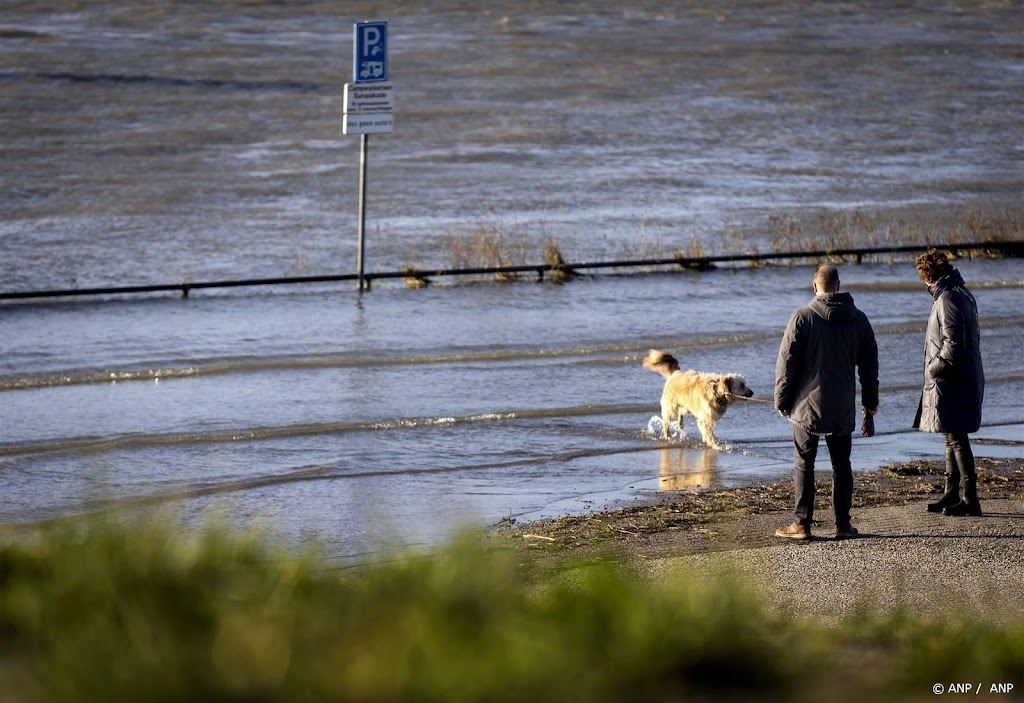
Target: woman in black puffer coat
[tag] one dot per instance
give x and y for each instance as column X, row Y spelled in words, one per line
column 954, row 380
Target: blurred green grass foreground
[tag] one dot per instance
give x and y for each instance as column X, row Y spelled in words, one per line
column 155, row 611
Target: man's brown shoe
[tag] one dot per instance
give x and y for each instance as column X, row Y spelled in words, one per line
column 794, row 531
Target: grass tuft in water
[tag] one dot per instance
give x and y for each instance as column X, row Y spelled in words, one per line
column 858, row 229
column 496, row 244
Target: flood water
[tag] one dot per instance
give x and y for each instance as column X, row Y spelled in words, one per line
column 158, row 143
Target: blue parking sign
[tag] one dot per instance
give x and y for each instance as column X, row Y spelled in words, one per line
column 370, row 52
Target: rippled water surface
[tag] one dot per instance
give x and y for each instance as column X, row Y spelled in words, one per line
column 153, row 142
column 407, row 413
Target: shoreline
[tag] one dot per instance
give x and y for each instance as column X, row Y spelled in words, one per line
column 905, row 560
column 719, row 519
column 689, row 467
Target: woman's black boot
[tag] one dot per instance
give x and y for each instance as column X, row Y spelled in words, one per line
column 970, row 505
column 948, row 500
column 964, row 508
column 951, row 496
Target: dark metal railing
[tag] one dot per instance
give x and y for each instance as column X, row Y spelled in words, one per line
column 1002, row 248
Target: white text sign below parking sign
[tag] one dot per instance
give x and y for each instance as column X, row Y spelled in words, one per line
column 373, row 97
column 368, row 123
column 369, row 52
column 369, row 108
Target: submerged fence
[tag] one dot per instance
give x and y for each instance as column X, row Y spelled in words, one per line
column 560, row 270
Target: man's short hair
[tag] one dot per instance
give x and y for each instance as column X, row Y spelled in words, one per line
column 933, row 265
column 827, row 278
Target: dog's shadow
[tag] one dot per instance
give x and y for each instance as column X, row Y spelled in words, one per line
column 686, row 468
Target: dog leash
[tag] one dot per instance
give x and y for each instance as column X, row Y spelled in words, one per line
column 752, row 400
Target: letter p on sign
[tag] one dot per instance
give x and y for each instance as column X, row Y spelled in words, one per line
column 370, row 52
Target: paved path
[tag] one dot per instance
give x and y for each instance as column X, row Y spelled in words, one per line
column 904, row 556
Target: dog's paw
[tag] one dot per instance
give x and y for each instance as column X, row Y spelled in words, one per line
column 713, row 443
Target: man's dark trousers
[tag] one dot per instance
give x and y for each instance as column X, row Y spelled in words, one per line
column 839, row 447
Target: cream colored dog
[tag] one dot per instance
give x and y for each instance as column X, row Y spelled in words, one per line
column 706, row 396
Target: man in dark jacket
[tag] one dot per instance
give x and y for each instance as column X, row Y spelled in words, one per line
column 954, row 380
column 826, row 344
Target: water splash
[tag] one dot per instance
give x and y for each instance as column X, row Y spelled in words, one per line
column 655, row 425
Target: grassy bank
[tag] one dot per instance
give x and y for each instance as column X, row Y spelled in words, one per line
column 129, row 612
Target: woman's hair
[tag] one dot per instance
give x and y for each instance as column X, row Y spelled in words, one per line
column 933, row 265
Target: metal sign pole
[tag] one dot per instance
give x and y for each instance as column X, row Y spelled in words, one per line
column 364, row 141
column 368, row 109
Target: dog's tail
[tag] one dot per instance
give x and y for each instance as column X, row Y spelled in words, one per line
column 660, row 362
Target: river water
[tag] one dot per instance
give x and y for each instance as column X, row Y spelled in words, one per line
column 154, row 142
